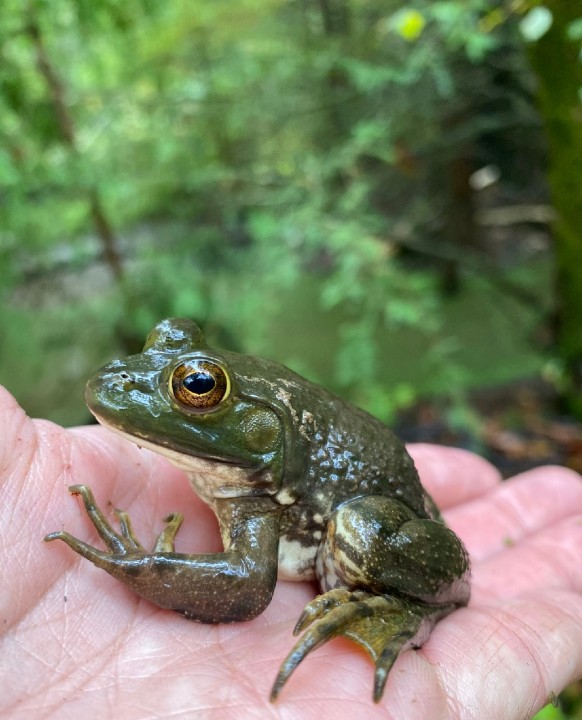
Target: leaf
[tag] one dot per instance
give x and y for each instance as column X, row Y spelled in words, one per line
column 574, row 31
column 536, row 23
column 550, row 712
column 409, row 24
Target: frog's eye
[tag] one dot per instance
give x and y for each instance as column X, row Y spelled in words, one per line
column 199, row 385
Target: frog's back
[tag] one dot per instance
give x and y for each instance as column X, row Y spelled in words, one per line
column 335, row 451
column 359, row 455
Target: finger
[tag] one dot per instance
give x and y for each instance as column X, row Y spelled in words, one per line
column 516, row 509
column 552, row 558
column 451, row 475
column 27, row 475
column 17, row 440
column 506, row 661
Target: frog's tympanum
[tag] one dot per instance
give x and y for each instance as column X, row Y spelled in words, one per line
column 304, row 487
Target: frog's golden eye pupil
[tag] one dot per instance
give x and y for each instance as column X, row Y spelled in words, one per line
column 199, row 383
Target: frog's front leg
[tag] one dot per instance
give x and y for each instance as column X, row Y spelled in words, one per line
column 389, row 576
column 219, row 587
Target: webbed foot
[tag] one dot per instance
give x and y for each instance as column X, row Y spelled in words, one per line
column 382, row 626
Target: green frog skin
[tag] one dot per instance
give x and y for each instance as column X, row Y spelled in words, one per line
column 304, row 486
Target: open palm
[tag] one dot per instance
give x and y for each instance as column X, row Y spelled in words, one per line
column 75, row 642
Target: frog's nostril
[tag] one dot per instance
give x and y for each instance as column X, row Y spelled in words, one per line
column 125, row 380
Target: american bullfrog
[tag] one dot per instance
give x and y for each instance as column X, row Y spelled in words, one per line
column 304, row 487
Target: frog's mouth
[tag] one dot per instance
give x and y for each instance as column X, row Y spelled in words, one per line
column 211, row 477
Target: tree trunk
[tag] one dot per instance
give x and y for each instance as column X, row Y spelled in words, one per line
column 555, row 59
column 459, row 220
column 66, row 126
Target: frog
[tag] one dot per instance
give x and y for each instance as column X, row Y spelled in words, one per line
column 304, row 486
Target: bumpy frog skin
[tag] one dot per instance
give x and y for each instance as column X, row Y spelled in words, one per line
column 304, row 487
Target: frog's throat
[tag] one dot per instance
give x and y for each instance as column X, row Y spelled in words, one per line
column 212, row 479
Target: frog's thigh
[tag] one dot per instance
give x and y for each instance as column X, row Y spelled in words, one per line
column 378, row 544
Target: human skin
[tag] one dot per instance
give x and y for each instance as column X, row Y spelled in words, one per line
column 75, row 642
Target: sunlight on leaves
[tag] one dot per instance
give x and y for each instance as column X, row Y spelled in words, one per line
column 409, row 24
column 536, row 23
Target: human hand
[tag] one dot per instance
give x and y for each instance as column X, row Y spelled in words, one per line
column 75, row 642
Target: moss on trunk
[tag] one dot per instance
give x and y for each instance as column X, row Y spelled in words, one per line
column 556, row 61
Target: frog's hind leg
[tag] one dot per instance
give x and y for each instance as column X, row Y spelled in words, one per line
column 389, row 577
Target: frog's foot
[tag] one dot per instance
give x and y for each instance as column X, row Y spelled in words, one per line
column 382, row 626
column 119, row 544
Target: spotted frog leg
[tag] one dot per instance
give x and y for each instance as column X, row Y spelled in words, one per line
column 389, row 576
column 244, row 574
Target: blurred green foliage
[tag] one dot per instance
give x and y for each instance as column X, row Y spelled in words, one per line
column 287, row 173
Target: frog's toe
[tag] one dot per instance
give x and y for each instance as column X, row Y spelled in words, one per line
column 165, row 541
column 322, row 604
column 127, row 532
column 119, row 544
column 382, row 626
column 97, row 557
column 115, row 542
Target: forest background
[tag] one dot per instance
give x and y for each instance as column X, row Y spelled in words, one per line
column 385, row 196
